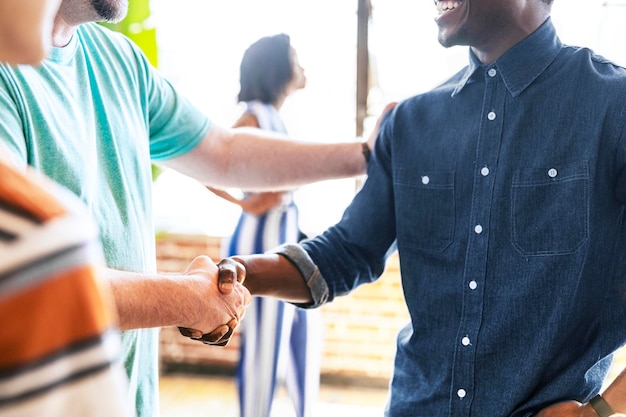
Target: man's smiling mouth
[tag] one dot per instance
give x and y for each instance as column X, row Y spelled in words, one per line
column 446, row 6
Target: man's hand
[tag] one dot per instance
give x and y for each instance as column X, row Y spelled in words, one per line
column 230, row 272
column 259, row 203
column 228, row 287
column 568, row 409
column 231, row 275
column 218, row 337
column 371, row 140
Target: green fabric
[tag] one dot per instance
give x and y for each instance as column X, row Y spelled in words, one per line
column 92, row 117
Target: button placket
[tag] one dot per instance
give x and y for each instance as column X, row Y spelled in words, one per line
column 488, row 147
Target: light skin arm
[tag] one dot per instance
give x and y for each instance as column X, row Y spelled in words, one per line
column 253, row 203
column 190, row 299
column 258, row 160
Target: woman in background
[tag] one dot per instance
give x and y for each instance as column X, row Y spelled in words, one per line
column 280, row 343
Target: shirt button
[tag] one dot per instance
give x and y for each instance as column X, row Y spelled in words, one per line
column 491, row 115
column 473, row 285
column 478, row 229
column 552, row 173
column 492, row 72
column 425, row 180
column 484, row 171
column 465, row 341
column 461, row 393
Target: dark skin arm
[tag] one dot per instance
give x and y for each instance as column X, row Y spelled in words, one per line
column 615, row 396
column 274, row 275
column 269, row 275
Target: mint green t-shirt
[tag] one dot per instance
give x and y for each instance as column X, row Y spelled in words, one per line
column 92, row 117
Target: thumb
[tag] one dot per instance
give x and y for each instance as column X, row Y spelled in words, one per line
column 229, row 271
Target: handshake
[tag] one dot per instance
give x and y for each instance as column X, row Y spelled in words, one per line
column 231, row 299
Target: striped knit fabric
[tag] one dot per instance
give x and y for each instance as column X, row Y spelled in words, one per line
column 280, row 344
column 58, row 340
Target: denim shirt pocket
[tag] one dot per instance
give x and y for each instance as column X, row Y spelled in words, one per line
column 424, row 208
column 550, row 209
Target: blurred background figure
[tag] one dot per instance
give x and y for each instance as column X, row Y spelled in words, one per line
column 280, row 343
column 59, row 341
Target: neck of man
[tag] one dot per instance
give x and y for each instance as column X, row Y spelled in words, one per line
column 70, row 16
column 489, row 51
column 62, row 32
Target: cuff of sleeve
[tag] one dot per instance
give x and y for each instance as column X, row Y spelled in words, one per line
column 312, row 275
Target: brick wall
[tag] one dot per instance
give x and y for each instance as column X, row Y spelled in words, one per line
column 360, row 329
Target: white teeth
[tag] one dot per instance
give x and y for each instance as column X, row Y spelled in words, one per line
column 445, row 6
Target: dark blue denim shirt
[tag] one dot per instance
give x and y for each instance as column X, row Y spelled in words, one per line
column 504, row 191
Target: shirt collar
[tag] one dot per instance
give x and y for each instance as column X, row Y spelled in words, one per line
column 521, row 64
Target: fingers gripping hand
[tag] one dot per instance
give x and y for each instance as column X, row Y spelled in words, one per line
column 230, row 271
column 218, row 337
column 381, row 118
column 230, row 296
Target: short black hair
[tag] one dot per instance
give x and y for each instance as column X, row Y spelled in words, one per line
column 266, row 69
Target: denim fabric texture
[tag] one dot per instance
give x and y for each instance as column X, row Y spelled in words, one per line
column 504, row 191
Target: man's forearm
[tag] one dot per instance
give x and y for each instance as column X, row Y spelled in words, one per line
column 273, row 275
column 150, row 300
column 257, row 160
column 615, row 394
column 293, row 163
column 190, row 299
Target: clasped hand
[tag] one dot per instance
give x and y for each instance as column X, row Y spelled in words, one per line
column 230, row 277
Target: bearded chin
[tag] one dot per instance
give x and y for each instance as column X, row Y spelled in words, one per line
column 111, row 10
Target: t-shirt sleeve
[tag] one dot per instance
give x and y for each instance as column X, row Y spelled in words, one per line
column 176, row 126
